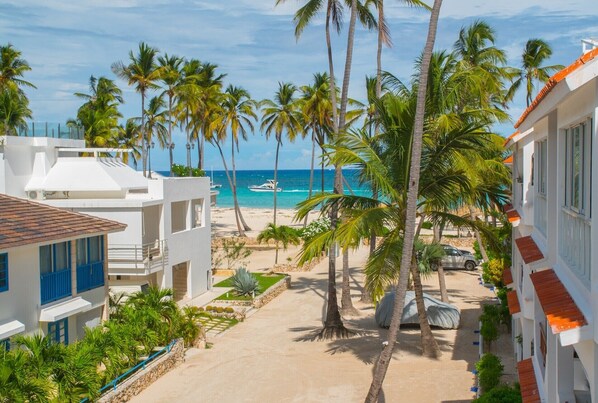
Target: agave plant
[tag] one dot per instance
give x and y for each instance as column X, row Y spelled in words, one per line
column 244, row 283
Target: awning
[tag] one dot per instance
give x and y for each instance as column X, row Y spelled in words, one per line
column 513, row 302
column 11, row 328
column 559, row 307
column 513, row 216
column 64, row 310
column 507, row 277
column 528, row 249
column 527, row 382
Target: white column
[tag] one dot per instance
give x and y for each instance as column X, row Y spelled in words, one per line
column 564, row 378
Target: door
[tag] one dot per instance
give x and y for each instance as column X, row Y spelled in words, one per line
column 179, row 280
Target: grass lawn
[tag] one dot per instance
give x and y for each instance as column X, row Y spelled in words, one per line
column 265, row 281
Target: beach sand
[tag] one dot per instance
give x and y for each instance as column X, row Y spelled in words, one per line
column 272, row 357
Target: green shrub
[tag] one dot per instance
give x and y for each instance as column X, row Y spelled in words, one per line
column 182, row 170
column 229, row 309
column 492, row 271
column 244, row 283
column 476, row 250
column 490, row 370
column 201, row 309
column 219, row 309
column 315, row 228
column 209, row 308
column 231, row 253
column 501, row 394
column 427, row 225
column 491, row 319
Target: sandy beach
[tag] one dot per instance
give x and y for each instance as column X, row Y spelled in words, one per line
column 272, row 357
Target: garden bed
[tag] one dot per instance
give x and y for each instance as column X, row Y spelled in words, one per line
column 271, row 285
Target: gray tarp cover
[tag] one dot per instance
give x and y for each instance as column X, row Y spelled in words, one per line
column 439, row 313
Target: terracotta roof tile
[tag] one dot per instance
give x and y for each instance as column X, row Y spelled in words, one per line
column 561, row 311
column 527, row 382
column 513, row 216
column 513, row 302
column 509, row 138
column 24, row 222
column 508, row 160
column 528, row 249
column 507, row 207
column 554, row 80
column 507, row 277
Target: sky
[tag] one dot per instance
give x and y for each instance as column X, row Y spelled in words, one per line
column 253, row 43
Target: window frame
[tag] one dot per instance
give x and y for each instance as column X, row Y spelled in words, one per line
column 54, row 331
column 578, row 139
column 4, row 271
column 53, row 257
column 542, row 162
column 5, row 344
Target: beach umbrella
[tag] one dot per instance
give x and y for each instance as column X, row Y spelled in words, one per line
column 440, row 314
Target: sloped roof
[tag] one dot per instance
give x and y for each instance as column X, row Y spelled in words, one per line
column 559, row 307
column 87, row 174
column 23, row 222
column 507, row 277
column 554, row 80
column 510, row 138
column 508, row 160
column 513, row 216
column 513, row 302
column 529, row 249
column 527, row 382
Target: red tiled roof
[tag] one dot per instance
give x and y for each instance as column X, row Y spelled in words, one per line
column 513, row 302
column 507, row 277
column 561, row 311
column 23, row 222
column 528, row 249
column 509, row 138
column 554, row 80
column 527, row 382
column 508, row 160
column 507, row 207
column 513, row 215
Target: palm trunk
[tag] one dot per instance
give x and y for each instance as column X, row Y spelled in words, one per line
column 188, row 145
column 379, row 49
column 429, row 346
column 346, row 302
column 170, row 150
column 365, row 294
column 311, row 170
column 236, row 201
column 381, row 366
column 442, row 283
column 478, row 237
column 322, row 167
column 199, row 150
column 143, row 139
column 234, row 191
column 332, row 79
column 276, row 175
column 276, row 255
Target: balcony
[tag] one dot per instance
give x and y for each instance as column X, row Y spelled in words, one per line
column 137, row 260
column 90, row 276
column 53, row 130
column 55, row 285
column 575, row 244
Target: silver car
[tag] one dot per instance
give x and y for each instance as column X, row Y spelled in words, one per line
column 457, row 259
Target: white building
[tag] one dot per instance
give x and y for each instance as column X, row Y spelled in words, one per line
column 167, row 239
column 554, row 273
column 53, row 274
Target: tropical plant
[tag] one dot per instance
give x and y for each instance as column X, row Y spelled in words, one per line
column 430, row 257
column 12, row 69
column 490, row 370
column 156, row 118
column 244, row 283
column 182, row 171
column 171, row 77
column 281, row 235
column 490, row 321
column 232, row 252
column 14, row 111
column 492, row 271
column 501, row 394
column 143, row 73
column 128, row 138
column 281, row 115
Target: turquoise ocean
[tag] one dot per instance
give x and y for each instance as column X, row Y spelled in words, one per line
column 294, row 184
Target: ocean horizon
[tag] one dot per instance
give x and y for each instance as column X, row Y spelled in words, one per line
column 294, row 184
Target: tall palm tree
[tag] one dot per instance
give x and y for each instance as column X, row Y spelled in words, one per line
column 171, row 78
column 237, row 113
column 156, row 116
column 143, row 73
column 12, row 68
column 532, row 71
column 129, row 137
column 412, row 193
column 14, row 111
column 281, row 115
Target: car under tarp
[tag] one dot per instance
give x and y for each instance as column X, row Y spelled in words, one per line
column 440, row 314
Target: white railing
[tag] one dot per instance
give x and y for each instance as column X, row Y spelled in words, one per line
column 575, row 244
column 540, row 213
column 137, row 260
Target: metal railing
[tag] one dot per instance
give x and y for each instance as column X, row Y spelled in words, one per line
column 55, row 285
column 575, row 244
column 137, row 260
column 90, row 276
column 53, row 130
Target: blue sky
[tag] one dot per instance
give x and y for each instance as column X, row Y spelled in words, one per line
column 253, row 43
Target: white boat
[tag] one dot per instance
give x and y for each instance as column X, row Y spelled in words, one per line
column 269, row 186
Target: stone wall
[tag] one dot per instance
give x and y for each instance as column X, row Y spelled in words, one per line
column 144, row 377
column 272, row 292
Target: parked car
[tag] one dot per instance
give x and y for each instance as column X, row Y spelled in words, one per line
column 457, row 259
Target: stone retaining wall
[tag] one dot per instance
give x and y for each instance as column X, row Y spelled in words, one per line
column 272, row 292
column 144, row 377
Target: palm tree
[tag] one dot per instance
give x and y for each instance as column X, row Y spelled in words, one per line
column 12, row 68
column 171, row 78
column 143, row 73
column 156, row 118
column 281, row 234
column 17, row 383
column 14, row 111
column 237, row 112
column 278, row 116
column 532, row 71
column 430, row 256
column 129, row 138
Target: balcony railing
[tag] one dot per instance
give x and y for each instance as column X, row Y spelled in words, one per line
column 55, row 285
column 540, row 213
column 137, row 260
column 90, row 276
column 54, row 130
column 575, row 244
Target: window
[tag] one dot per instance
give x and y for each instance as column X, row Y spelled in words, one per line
column 3, row 272
column 59, row 331
column 5, row 345
column 90, row 263
column 55, row 272
column 542, row 149
column 197, row 213
column 578, row 144
column 54, row 258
